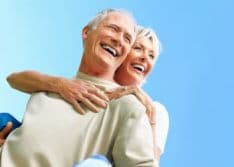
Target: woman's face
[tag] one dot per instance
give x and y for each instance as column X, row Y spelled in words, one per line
column 138, row 63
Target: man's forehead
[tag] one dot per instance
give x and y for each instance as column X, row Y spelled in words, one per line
column 121, row 19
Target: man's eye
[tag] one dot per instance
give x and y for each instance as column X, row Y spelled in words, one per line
column 128, row 40
column 113, row 27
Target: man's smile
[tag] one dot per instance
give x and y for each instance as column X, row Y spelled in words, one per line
column 110, row 49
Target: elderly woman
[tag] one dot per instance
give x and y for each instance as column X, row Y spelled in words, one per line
column 131, row 74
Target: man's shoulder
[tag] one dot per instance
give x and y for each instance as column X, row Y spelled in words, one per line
column 46, row 98
column 129, row 103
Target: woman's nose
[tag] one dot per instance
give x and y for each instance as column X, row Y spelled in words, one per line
column 143, row 56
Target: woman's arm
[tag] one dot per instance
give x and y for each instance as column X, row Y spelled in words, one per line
column 73, row 91
column 32, row 81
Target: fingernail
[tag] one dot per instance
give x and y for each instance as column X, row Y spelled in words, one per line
column 9, row 123
column 106, row 104
column 107, row 98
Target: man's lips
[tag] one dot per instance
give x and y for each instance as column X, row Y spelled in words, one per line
column 110, row 49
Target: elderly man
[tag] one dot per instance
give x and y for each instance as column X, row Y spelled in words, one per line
column 54, row 134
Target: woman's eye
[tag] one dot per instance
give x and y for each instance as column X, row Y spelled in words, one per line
column 151, row 56
column 138, row 48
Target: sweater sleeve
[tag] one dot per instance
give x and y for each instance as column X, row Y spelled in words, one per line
column 162, row 125
column 134, row 143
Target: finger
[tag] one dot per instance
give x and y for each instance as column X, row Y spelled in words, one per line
column 89, row 85
column 99, row 93
column 114, row 89
column 154, row 115
column 1, row 142
column 141, row 98
column 115, row 93
column 89, row 105
column 110, row 96
column 90, row 88
column 133, row 88
column 6, row 130
column 77, row 107
column 110, row 91
column 148, row 113
column 96, row 100
column 150, row 116
column 122, row 92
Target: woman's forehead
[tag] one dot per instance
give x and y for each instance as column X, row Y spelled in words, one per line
column 145, row 42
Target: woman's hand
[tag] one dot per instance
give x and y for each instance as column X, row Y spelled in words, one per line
column 140, row 94
column 78, row 91
column 4, row 132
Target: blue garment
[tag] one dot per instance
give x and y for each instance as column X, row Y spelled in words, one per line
column 95, row 161
column 5, row 118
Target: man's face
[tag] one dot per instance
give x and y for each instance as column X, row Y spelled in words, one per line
column 107, row 45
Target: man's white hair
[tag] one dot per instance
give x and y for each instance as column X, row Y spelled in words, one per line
column 103, row 14
column 152, row 36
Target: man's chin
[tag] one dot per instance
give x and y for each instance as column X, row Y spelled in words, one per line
column 105, row 64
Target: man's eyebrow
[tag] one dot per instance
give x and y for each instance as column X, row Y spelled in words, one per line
column 115, row 25
column 119, row 28
column 129, row 36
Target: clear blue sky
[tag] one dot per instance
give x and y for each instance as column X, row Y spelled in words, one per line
column 193, row 77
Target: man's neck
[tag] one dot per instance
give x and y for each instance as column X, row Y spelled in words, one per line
column 97, row 72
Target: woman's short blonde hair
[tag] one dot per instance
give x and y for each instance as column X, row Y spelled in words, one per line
column 152, row 36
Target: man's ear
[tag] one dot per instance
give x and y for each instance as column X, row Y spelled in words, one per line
column 85, row 32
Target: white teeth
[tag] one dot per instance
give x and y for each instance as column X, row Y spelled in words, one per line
column 110, row 50
column 139, row 67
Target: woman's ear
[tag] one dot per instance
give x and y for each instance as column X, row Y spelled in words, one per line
column 85, row 32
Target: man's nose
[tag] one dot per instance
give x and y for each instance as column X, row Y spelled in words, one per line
column 118, row 40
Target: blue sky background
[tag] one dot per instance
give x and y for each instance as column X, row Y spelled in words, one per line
column 193, row 77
